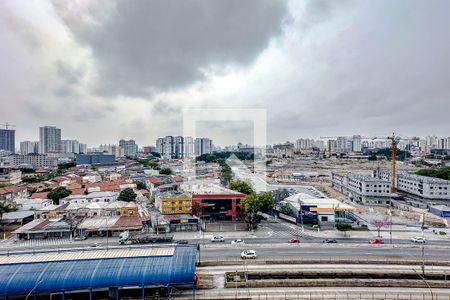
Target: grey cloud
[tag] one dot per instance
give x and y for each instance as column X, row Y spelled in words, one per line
column 159, row 45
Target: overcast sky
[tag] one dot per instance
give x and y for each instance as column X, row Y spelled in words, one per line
column 104, row 70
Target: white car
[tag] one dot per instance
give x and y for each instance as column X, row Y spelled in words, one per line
column 418, row 239
column 217, row 239
column 238, row 241
column 248, row 254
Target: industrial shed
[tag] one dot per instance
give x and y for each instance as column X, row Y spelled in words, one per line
column 44, row 273
column 440, row 211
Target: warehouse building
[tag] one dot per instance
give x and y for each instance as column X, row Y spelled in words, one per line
column 133, row 273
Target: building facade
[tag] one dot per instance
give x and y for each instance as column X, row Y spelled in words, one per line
column 49, row 140
column 8, row 140
column 129, row 147
column 363, row 189
column 427, row 188
column 177, row 147
column 33, row 160
column 28, row 147
column 95, row 158
column 70, row 146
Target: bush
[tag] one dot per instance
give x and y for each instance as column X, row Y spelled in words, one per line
column 442, row 232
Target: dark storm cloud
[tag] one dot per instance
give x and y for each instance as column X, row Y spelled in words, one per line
column 156, row 45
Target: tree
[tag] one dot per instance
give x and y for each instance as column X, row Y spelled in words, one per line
column 257, row 203
column 58, row 193
column 29, row 179
column 165, row 171
column 344, row 227
column 127, row 195
column 287, row 210
column 5, row 208
column 242, row 186
column 140, row 185
column 155, row 154
column 63, row 167
column 378, row 224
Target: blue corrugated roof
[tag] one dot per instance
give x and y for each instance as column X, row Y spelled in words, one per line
column 99, row 273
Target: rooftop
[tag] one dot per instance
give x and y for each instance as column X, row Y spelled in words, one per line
column 76, row 270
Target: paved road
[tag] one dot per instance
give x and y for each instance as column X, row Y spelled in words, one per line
column 328, row 252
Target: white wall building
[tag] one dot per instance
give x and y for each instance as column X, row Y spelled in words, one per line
column 362, row 189
column 49, row 139
column 70, row 146
column 28, row 147
column 427, row 188
column 94, row 197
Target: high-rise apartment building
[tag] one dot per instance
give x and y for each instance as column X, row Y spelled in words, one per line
column 112, row 149
column 70, row 146
column 83, row 148
column 129, row 147
column 203, row 146
column 356, row 143
column 173, row 147
column 28, row 147
column 49, row 140
column 7, row 140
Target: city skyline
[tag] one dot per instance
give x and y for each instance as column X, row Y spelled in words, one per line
column 64, row 140
column 316, row 66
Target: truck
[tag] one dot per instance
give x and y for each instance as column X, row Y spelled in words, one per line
column 144, row 238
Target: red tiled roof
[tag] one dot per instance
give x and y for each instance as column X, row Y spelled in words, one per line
column 177, row 178
column 154, row 179
column 79, row 191
column 11, row 189
column 42, row 224
column 39, row 195
column 128, row 222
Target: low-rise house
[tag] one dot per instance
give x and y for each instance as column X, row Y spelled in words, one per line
column 9, row 175
column 13, row 193
column 44, row 228
column 32, row 204
column 106, row 197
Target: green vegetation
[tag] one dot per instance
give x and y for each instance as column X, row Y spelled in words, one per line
column 29, row 179
column 165, row 171
column 2, row 185
column 257, row 203
column 287, row 210
column 242, row 186
column 26, row 170
column 5, row 208
column 148, row 163
column 155, row 154
column 50, row 176
column 58, row 193
column 343, row 227
column 63, row 167
column 220, row 158
column 140, row 185
column 127, row 195
column 387, row 152
column 443, row 172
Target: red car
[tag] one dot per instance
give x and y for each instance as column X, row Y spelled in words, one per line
column 294, row 241
column 376, row 241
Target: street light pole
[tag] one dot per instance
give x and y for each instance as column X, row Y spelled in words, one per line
column 426, row 283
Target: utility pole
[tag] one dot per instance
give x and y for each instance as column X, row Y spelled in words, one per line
column 423, row 245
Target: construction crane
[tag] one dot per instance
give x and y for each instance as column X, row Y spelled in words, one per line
column 394, row 142
column 7, row 125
